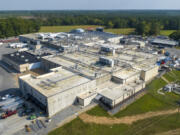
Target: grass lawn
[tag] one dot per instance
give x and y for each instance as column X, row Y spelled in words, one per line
column 178, row 47
column 64, row 28
column 98, row 111
column 69, row 28
column 124, row 31
column 166, row 32
column 172, row 76
column 144, row 127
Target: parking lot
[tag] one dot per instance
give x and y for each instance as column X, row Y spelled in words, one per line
column 174, row 51
column 63, row 116
column 26, row 113
column 8, row 85
column 7, row 79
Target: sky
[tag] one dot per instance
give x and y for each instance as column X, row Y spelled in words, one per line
column 87, row 4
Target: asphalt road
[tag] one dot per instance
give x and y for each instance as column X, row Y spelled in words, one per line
column 5, row 50
column 7, row 79
column 174, row 51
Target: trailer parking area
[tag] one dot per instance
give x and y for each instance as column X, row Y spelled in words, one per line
column 17, row 122
column 12, row 124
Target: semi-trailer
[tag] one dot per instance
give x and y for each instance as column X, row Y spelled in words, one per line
column 9, row 101
column 13, row 106
column 8, row 114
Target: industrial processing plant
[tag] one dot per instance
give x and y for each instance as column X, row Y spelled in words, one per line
column 89, row 66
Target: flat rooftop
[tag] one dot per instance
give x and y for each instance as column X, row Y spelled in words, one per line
column 77, row 61
column 82, row 57
column 55, row 82
column 22, row 57
column 30, row 36
column 126, row 73
column 116, row 92
column 164, row 41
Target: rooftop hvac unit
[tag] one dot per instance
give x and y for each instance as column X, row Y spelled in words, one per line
column 107, row 61
column 22, row 56
column 26, row 60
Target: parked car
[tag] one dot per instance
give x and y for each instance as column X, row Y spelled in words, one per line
column 29, row 111
column 48, row 120
column 32, row 117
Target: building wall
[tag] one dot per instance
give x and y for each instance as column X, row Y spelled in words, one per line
column 28, row 90
column 47, row 65
column 115, row 40
column 64, row 99
column 34, row 65
column 24, row 67
column 132, row 78
column 86, row 101
column 117, row 80
column 108, row 101
column 59, row 101
column 23, row 39
column 18, row 67
column 127, row 80
column 149, row 74
column 113, row 103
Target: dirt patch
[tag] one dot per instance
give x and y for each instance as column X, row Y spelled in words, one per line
column 124, row 120
column 171, row 132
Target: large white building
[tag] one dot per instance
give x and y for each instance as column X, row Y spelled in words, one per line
column 81, row 75
column 55, row 90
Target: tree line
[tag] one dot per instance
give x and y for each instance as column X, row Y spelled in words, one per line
column 145, row 22
column 17, row 26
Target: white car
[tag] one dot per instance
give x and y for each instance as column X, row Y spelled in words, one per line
column 48, row 120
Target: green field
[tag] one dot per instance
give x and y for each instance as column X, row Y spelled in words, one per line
column 124, row 31
column 178, row 47
column 172, row 76
column 152, row 101
column 144, row 127
column 166, row 32
column 68, row 28
column 98, row 111
column 64, row 28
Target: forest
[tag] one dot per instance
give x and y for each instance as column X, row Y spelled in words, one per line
column 17, row 26
column 146, row 22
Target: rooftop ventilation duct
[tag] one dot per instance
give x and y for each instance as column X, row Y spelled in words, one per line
column 26, row 60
